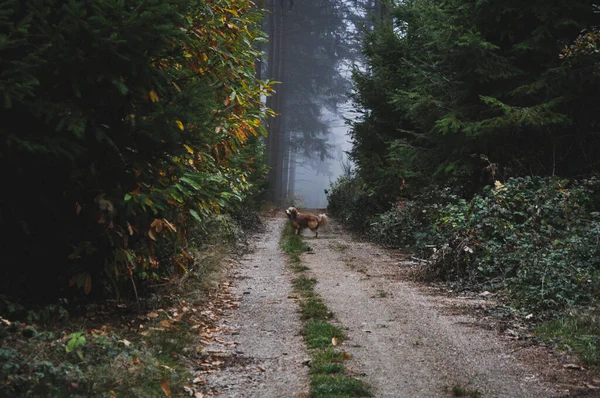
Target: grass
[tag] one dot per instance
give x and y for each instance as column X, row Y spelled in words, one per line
column 334, row 386
column 577, row 333
column 314, row 308
column 327, row 370
column 304, row 285
column 459, row 391
column 327, row 361
column 319, row 334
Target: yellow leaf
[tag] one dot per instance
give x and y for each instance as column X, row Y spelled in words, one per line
column 87, row 286
column 179, row 124
column 153, row 96
column 189, row 149
column 334, row 341
column 164, row 385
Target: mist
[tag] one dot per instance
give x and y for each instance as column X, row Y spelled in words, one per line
column 311, row 49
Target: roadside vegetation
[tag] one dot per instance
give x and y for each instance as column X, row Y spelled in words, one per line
column 131, row 143
column 328, row 376
column 472, row 150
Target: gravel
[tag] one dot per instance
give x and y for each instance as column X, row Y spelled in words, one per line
column 404, row 341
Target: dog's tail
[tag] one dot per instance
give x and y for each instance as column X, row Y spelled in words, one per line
column 323, row 220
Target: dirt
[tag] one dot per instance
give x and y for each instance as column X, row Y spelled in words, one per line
column 406, row 339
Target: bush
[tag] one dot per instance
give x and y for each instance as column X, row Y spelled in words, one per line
column 537, row 237
column 349, row 201
column 125, row 124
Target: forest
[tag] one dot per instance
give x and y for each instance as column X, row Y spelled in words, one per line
column 137, row 135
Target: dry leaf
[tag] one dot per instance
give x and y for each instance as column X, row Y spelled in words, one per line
column 334, row 341
column 572, row 366
column 179, row 124
column 127, row 343
column 164, row 385
column 346, row 355
column 151, row 235
column 260, row 368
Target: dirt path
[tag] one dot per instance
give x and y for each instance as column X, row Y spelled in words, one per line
column 404, row 341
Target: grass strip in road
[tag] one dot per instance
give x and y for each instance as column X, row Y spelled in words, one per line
column 328, row 376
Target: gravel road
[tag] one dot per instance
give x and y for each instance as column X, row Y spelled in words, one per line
column 404, row 341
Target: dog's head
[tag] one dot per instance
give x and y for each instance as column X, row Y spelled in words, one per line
column 291, row 212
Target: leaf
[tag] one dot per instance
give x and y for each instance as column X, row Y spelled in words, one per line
column 179, row 124
column 164, row 385
column 87, row 286
column 335, row 341
column 153, row 96
column 189, row 149
column 130, row 228
column 346, row 355
column 151, row 235
column 195, row 214
column 169, row 225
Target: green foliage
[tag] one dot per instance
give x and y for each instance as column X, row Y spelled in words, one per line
column 126, row 124
column 448, row 81
column 350, row 201
column 577, row 332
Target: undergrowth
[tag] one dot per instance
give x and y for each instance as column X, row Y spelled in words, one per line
column 327, row 371
column 110, row 348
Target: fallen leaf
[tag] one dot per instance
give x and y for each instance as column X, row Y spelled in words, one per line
column 572, row 366
column 152, row 315
column 260, row 368
column 346, row 355
column 127, row 343
column 179, row 124
column 198, row 380
column 164, row 385
column 334, row 341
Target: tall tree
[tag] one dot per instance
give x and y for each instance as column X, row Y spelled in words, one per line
column 472, row 90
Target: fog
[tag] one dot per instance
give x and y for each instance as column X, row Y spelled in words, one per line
column 313, row 178
column 311, row 49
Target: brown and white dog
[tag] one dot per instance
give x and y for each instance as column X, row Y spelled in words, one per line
column 305, row 220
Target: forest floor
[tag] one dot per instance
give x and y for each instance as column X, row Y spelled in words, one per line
column 403, row 338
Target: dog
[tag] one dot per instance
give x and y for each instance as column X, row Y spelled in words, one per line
column 305, row 220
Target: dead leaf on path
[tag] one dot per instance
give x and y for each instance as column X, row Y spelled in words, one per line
column 572, row 366
column 346, row 355
column 198, row 380
column 334, row 341
column 152, row 315
column 260, row 368
column 164, row 385
column 591, row 387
